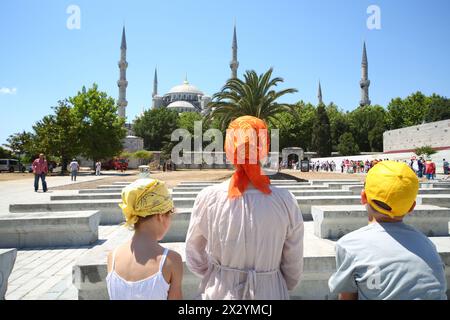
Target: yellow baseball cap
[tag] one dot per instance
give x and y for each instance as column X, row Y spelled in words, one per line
column 393, row 183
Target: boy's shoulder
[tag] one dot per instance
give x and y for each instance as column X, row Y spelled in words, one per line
column 357, row 237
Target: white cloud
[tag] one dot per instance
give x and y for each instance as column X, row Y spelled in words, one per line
column 8, row 90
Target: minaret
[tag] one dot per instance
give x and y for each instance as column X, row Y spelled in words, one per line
column 319, row 95
column 365, row 82
column 155, row 84
column 123, row 83
column 234, row 64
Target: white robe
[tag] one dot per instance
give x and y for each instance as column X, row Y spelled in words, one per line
column 246, row 248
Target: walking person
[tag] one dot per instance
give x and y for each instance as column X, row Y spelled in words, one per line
column 245, row 237
column 98, row 168
column 445, row 163
column 40, row 170
column 74, row 167
column 141, row 269
column 388, row 259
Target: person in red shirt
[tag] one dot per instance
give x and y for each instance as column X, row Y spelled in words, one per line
column 40, row 170
column 430, row 169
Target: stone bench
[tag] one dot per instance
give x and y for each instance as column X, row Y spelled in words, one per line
column 333, row 222
column 87, row 191
column 89, row 196
column 7, row 260
column 109, row 209
column 90, row 270
column 50, row 229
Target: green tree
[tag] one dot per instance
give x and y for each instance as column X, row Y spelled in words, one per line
column 143, row 155
column 155, row 126
column 4, row 153
column 321, row 135
column 408, row 112
column 101, row 131
column 21, row 145
column 57, row 135
column 367, row 125
column 295, row 127
column 347, row 145
column 339, row 124
column 253, row 96
column 439, row 109
column 424, row 151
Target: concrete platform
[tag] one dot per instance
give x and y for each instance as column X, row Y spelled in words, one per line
column 109, row 209
column 37, row 229
column 333, row 222
column 90, row 270
column 7, row 259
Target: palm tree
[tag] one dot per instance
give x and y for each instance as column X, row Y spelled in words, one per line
column 255, row 96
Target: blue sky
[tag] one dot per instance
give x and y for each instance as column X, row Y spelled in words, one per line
column 42, row 61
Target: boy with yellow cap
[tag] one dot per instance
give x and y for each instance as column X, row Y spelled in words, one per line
column 142, row 269
column 388, row 259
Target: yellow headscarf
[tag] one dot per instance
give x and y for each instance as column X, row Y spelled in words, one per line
column 143, row 198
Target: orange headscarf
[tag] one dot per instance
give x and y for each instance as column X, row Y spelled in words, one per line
column 246, row 143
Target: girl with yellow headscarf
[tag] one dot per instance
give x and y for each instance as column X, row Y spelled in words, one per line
column 245, row 237
column 141, row 269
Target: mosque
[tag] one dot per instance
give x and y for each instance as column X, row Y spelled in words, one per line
column 186, row 97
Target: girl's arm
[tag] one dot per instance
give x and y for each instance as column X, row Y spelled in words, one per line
column 176, row 276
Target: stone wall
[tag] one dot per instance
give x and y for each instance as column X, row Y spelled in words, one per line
column 434, row 134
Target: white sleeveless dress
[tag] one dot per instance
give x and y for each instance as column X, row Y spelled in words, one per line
column 154, row 287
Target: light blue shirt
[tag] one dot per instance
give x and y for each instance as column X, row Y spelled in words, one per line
column 388, row 261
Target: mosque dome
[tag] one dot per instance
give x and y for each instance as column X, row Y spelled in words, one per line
column 182, row 106
column 185, row 88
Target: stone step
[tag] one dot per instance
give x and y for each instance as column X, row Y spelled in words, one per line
column 89, row 196
column 84, row 191
column 109, row 186
column 440, row 200
column 306, row 202
column 357, row 190
column 305, row 192
column 333, row 222
column 340, row 185
column 344, row 181
column 291, row 188
column 90, row 270
column 109, row 209
column 121, row 183
column 7, row 260
column 49, row 229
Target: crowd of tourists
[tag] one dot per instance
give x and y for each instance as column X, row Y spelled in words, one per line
column 246, row 239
